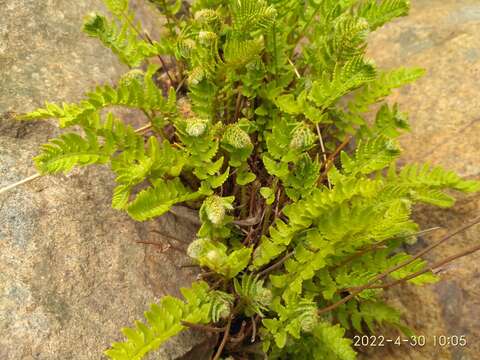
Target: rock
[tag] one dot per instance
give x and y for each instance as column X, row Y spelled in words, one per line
column 72, row 272
column 442, row 37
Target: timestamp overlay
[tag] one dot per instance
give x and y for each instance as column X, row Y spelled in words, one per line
column 412, row 341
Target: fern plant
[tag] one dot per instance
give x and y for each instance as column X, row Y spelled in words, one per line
column 256, row 117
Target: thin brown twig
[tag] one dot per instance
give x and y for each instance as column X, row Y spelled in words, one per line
column 132, row 25
column 322, row 146
column 203, row 327
column 238, row 105
column 224, row 339
column 379, row 245
column 294, row 69
column 21, row 182
column 238, row 338
column 164, row 65
column 330, row 160
column 249, row 221
column 384, row 274
column 169, row 237
column 278, row 202
column 185, row 266
column 276, row 265
column 254, row 328
column 432, row 267
column 162, row 246
column 143, row 128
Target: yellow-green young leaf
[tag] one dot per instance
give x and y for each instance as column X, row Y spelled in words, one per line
column 120, row 197
column 217, row 181
column 117, row 7
column 331, row 338
column 280, row 339
column 245, row 177
column 268, row 194
column 288, row 104
column 238, row 261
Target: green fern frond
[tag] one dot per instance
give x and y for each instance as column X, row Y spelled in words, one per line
column 164, row 320
column 117, row 7
column 436, row 177
column 202, row 93
column 379, row 88
column 135, row 89
column 69, row 150
column 221, row 305
column 250, row 15
column 303, row 213
column 351, row 75
column 137, row 164
column 389, row 122
column 379, row 12
column 425, row 183
column 371, row 155
column 371, row 313
column 124, row 42
column 255, row 297
column 350, row 35
column 238, row 53
column 327, row 341
column 214, row 255
column 333, row 342
column 268, row 91
column 157, row 200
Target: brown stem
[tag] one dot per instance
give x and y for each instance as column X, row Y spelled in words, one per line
column 169, row 237
column 428, row 268
column 379, row 245
column 330, row 160
column 21, row 182
column 203, row 327
column 253, row 197
column 277, row 212
column 238, row 106
column 161, row 246
column 254, row 328
column 238, row 338
column 322, row 146
column 189, row 266
column 276, row 265
column 224, row 340
column 384, row 274
column 249, row 221
column 164, row 65
column 143, row 128
column 244, row 200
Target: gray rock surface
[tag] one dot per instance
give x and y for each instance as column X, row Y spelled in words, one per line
column 71, row 270
column 441, row 36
